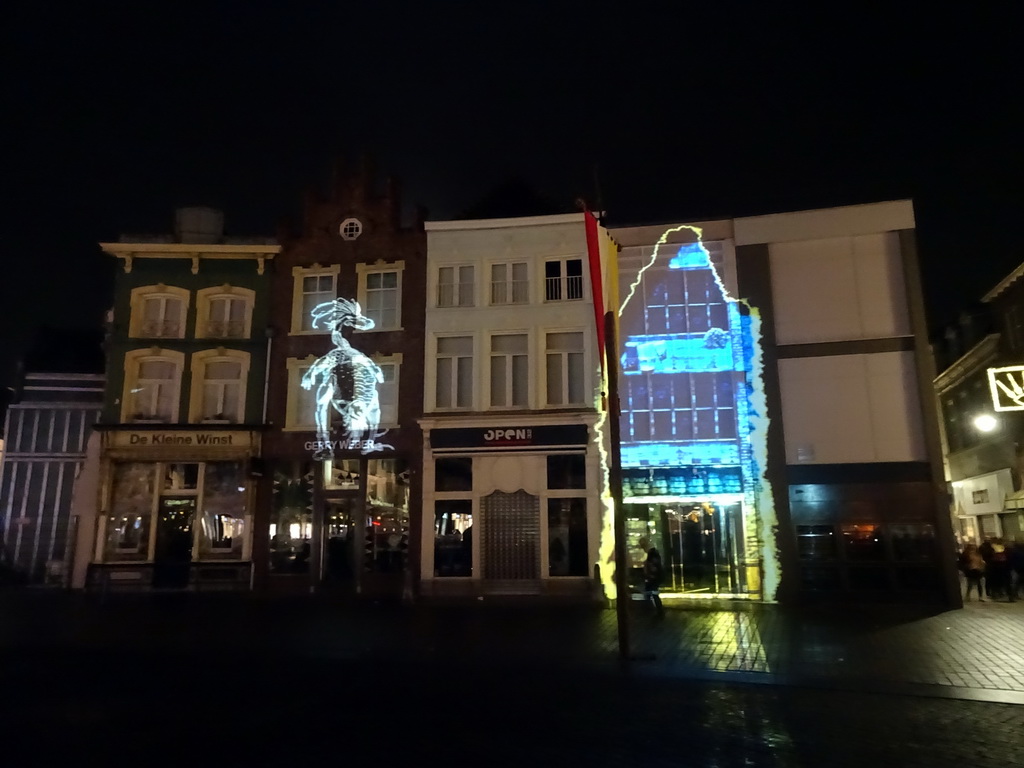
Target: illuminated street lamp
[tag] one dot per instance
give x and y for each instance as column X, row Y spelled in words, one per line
column 986, row 422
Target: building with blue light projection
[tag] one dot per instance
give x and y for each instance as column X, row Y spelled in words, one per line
column 778, row 437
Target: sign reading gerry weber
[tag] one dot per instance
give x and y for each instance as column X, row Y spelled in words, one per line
column 510, row 437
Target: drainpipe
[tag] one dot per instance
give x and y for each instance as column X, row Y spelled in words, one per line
column 266, row 373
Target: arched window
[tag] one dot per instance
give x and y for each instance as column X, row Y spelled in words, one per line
column 219, row 379
column 152, row 385
column 158, row 312
column 224, row 312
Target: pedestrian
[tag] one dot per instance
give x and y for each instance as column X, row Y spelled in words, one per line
column 654, row 573
column 973, row 566
column 985, row 549
column 997, row 575
column 1015, row 561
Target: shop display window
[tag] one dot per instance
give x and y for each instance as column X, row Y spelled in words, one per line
column 222, row 522
column 864, row 542
column 567, row 537
column 291, row 521
column 816, row 542
column 820, row 579
column 567, row 471
column 180, row 477
column 131, row 512
column 455, row 474
column 912, row 543
column 869, row 578
column 387, row 516
column 342, row 474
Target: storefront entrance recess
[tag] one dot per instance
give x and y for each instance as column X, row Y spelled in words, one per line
column 511, row 543
column 702, row 544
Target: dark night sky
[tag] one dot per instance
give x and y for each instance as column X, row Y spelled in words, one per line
column 688, row 111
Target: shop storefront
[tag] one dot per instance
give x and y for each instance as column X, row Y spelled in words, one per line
column 511, row 509
column 699, row 522
column 342, row 525
column 175, row 509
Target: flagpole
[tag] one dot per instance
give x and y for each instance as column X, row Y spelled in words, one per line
column 622, row 595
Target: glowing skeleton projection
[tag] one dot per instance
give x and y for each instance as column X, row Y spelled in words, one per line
column 345, row 364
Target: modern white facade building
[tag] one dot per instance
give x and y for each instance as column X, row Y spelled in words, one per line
column 512, row 458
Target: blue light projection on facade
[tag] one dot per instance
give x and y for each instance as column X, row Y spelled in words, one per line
column 346, row 381
column 693, row 424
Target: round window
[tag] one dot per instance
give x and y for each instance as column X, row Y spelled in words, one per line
column 351, row 229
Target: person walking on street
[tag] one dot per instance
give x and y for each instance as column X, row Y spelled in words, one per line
column 985, row 550
column 654, row 573
column 973, row 567
column 1015, row 563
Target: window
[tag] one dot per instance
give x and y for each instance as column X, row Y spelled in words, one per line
column 222, row 512
column 509, row 283
column 152, row 385
column 455, row 286
column 224, row 312
column 127, row 531
column 218, row 386
column 454, row 372
column 453, row 517
column 312, row 286
column 563, row 280
column 567, row 471
column 300, row 411
column 565, row 372
column 150, row 501
column 380, row 295
column 510, row 371
column 350, row 229
column 158, row 312
column 387, row 391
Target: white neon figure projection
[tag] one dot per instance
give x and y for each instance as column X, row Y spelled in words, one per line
column 344, row 363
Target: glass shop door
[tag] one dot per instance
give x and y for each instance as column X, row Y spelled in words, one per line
column 342, row 530
column 172, row 557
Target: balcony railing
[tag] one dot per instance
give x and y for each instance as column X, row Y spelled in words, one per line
column 225, row 329
column 510, row 292
column 563, row 288
column 161, row 329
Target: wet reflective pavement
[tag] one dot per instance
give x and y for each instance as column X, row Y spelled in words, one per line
column 194, row 679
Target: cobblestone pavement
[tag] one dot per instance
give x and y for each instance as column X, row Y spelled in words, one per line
column 229, row 681
column 207, row 709
column 977, row 652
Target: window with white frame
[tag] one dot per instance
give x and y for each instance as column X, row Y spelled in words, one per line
column 158, row 312
column 152, row 386
column 380, row 294
column 312, row 286
column 454, row 367
column 387, row 391
column 563, row 279
column 455, row 286
column 565, row 370
column 510, row 283
column 510, row 370
column 224, row 312
column 218, row 386
column 300, row 410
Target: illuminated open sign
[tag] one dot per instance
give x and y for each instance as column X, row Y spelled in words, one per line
column 1007, row 386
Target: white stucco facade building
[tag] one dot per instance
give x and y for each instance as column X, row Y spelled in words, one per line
column 512, row 464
